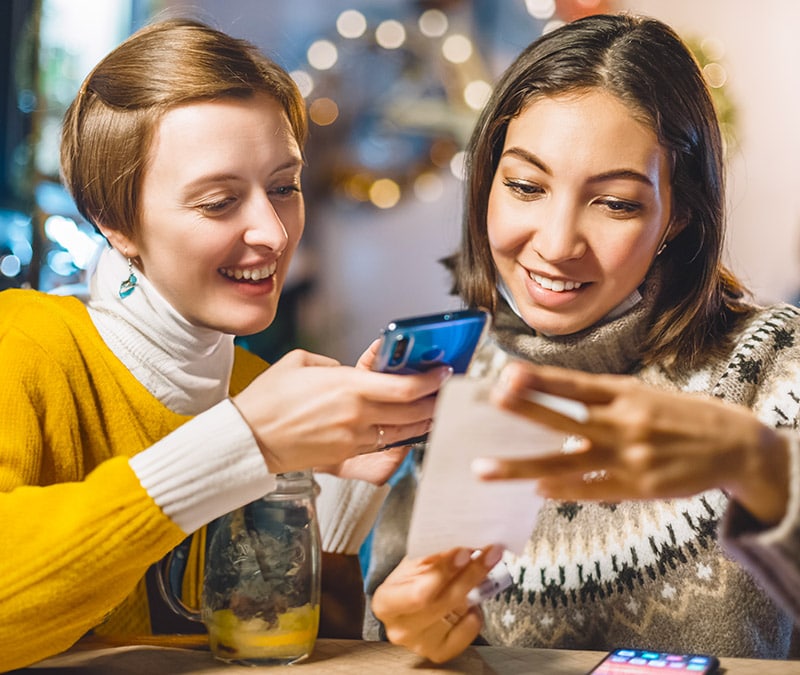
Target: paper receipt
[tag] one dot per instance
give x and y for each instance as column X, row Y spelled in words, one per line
column 455, row 508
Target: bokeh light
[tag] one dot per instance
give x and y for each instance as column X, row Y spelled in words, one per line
column 476, row 93
column 322, row 55
column 457, row 48
column 304, row 82
column 10, row 266
column 457, row 165
column 715, row 75
column 351, row 24
column 541, row 9
column 433, row 23
column 323, row 111
column 384, row 193
column 428, row 187
column 390, row 34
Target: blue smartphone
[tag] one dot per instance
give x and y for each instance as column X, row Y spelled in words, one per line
column 648, row 662
column 419, row 343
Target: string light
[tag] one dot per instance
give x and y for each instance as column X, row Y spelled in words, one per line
column 322, row 55
column 433, row 23
column 390, row 34
column 351, row 24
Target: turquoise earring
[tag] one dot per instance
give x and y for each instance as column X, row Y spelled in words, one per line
column 129, row 285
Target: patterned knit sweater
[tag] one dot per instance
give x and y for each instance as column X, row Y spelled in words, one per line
column 637, row 574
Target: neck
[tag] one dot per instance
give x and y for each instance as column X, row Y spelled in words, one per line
column 613, row 345
column 186, row 367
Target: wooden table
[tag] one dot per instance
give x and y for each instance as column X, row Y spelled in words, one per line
column 356, row 657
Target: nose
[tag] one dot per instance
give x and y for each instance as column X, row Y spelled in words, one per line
column 558, row 238
column 264, row 227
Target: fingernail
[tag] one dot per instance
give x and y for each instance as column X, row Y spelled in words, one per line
column 497, row 580
column 493, row 556
column 484, row 467
column 461, row 558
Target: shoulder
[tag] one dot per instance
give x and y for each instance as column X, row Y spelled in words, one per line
column 39, row 315
column 769, row 333
column 763, row 371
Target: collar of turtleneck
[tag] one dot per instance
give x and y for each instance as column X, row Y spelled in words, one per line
column 187, row 368
column 611, row 346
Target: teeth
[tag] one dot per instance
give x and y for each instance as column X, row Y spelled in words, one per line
column 249, row 274
column 555, row 285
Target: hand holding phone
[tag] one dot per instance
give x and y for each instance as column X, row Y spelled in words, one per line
column 419, row 343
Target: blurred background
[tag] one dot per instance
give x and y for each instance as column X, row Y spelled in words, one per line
column 393, row 87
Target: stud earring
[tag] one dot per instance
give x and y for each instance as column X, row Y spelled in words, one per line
column 128, row 285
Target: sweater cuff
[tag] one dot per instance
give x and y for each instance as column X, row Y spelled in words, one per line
column 207, row 467
column 347, row 509
column 739, row 528
column 771, row 554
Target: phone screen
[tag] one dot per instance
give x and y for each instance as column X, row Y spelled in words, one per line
column 646, row 662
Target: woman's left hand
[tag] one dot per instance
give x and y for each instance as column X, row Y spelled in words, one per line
column 640, row 442
column 374, row 467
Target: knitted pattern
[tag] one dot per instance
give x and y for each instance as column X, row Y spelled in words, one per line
column 651, row 574
column 647, row 574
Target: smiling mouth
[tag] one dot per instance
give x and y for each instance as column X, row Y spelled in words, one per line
column 555, row 285
column 251, row 274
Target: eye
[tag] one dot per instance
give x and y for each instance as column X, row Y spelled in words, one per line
column 619, row 207
column 216, row 207
column 286, row 190
column 523, row 189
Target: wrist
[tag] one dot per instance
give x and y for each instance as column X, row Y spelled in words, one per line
column 762, row 486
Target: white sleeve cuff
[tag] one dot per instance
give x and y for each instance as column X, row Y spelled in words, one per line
column 347, row 509
column 207, row 467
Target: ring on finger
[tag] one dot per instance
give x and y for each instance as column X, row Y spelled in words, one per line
column 595, row 476
column 452, row 618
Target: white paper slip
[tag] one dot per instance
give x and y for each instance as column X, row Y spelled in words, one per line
column 453, row 507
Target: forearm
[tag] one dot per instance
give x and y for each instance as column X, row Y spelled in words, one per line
column 78, row 551
column 772, row 554
column 82, row 546
column 204, row 469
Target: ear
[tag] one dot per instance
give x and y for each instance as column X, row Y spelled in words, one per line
column 676, row 226
column 122, row 242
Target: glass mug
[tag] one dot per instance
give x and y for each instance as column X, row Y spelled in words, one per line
column 261, row 586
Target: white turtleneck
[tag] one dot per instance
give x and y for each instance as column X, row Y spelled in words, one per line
column 211, row 464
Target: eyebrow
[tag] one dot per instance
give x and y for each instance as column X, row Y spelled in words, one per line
column 202, row 181
column 530, row 158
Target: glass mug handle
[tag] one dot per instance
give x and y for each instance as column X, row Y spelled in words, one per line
column 165, row 581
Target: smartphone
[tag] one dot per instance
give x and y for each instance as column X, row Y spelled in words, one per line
column 647, row 662
column 419, row 343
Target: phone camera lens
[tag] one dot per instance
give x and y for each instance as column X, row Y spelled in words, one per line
column 399, row 350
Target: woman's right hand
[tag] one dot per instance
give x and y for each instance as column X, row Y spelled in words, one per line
column 423, row 603
column 308, row 410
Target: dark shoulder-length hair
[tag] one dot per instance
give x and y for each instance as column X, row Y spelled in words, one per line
column 644, row 64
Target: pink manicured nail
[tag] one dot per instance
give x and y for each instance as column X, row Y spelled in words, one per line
column 493, row 556
column 461, row 558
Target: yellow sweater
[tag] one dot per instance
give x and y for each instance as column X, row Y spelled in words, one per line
column 78, row 531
